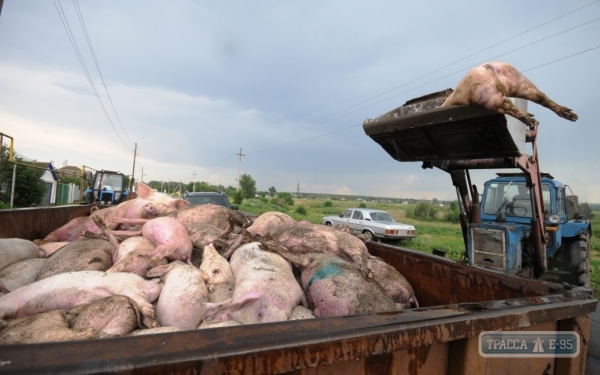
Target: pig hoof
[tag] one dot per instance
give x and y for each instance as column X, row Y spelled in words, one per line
column 567, row 113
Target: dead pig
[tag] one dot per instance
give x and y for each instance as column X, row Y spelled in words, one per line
column 333, row 286
column 116, row 315
column 148, row 205
column 220, row 280
column 21, row 273
column 273, row 223
column 169, row 236
column 85, row 254
column 13, row 250
column 183, row 301
column 67, row 290
column 133, row 255
column 490, row 85
column 265, row 287
column 394, row 283
column 310, row 238
column 48, row 326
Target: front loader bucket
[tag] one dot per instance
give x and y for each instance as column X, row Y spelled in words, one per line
column 422, row 131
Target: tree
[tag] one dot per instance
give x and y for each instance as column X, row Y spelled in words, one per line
column 452, row 215
column 272, row 191
column 29, row 188
column 287, row 197
column 247, row 186
column 423, row 211
column 586, row 211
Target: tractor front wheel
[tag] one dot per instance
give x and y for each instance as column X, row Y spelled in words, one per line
column 579, row 247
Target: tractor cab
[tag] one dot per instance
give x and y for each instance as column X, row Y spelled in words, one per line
column 109, row 188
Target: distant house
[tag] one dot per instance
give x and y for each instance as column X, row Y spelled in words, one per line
column 69, row 171
column 50, row 178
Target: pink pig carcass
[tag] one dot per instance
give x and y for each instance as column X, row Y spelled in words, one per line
column 490, row 85
column 183, row 301
column 149, row 204
column 66, row 290
column 169, row 236
column 265, row 287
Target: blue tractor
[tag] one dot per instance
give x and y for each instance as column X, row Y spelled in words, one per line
column 525, row 224
column 108, row 188
column 501, row 240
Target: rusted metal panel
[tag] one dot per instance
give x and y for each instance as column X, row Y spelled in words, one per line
column 465, row 358
column 583, row 326
column 465, row 282
column 37, row 223
column 423, row 360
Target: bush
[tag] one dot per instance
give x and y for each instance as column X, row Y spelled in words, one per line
column 327, row 204
column 4, row 206
column 301, row 210
column 362, row 205
column 238, row 197
column 287, row 197
column 423, row 211
column 452, row 215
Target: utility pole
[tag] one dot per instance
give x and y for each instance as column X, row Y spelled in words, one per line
column 142, row 176
column 298, row 189
column 239, row 167
column 194, row 174
column 131, row 181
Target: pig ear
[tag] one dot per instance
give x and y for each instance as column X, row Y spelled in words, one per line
column 180, row 203
column 246, row 300
column 217, row 312
column 144, row 191
column 159, row 271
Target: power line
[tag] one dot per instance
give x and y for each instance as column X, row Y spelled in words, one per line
column 321, row 120
column 89, row 42
column 353, row 126
column 80, row 57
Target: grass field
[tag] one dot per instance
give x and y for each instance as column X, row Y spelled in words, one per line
column 430, row 234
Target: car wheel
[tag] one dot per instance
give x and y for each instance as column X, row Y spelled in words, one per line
column 369, row 236
column 328, row 224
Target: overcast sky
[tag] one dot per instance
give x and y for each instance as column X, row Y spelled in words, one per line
column 289, row 82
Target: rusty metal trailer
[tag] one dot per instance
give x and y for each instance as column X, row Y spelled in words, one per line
column 458, row 302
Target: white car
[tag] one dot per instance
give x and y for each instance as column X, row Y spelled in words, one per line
column 376, row 224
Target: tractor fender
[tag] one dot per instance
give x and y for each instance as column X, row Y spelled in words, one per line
column 574, row 228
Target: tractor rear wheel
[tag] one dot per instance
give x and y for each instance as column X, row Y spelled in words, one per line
column 579, row 248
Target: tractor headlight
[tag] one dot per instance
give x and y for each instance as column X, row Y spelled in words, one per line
column 554, row 219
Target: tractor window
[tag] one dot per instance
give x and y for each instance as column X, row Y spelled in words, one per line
column 560, row 201
column 512, row 199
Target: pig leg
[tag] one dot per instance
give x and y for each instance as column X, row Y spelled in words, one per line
column 270, row 244
column 521, row 87
column 527, row 90
column 124, row 220
column 88, row 234
column 100, row 223
column 127, row 233
column 505, row 106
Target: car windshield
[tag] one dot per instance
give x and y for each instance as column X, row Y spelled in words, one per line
column 512, row 199
column 220, row 201
column 381, row 216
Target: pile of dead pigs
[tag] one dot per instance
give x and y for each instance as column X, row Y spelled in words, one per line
column 154, row 264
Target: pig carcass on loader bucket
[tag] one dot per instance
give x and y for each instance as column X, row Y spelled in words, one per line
column 421, row 131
